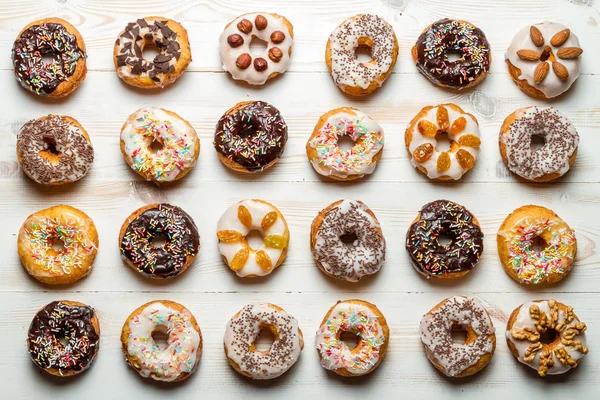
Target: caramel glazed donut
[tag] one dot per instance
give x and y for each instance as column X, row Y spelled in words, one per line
column 180, row 144
column 171, row 41
column 361, row 31
column 59, row 224
column 171, row 258
column 430, row 53
column 241, row 333
column 53, row 37
column 237, row 222
column 250, row 136
column 458, row 360
column 179, row 359
column 527, row 265
column 64, row 338
column 531, row 323
column 363, row 257
column 548, row 162
column 234, row 47
column 422, row 146
column 325, row 154
column 54, row 150
column 457, row 258
column 373, row 333
column 534, row 49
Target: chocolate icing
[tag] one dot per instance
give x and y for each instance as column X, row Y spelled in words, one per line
column 448, row 35
column 59, row 321
column 181, row 241
column 444, row 217
column 252, row 136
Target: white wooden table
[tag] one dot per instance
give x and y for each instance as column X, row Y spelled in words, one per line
column 395, row 192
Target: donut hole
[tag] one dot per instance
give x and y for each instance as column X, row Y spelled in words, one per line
column 538, row 244
column 254, row 239
column 50, row 149
column 264, row 340
column 158, row 241
column 247, row 128
column 444, row 239
column 64, row 342
column 350, row 338
column 57, row 245
column 454, row 55
column 150, row 51
column 160, row 337
column 364, row 53
column 155, row 146
column 458, row 334
column 537, row 142
column 258, row 46
column 49, row 58
column 345, row 143
column 349, row 239
column 443, row 141
column 548, row 337
column 547, row 54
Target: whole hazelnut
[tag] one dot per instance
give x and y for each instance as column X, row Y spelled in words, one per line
column 245, row 26
column 235, row 40
column 277, row 37
column 243, row 61
column 260, row 22
column 275, row 54
column 260, row 64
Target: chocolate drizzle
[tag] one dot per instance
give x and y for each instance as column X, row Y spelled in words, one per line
column 253, row 136
column 181, row 241
column 71, row 323
column 37, row 41
column 429, row 257
column 131, row 44
column 446, row 36
column 74, row 153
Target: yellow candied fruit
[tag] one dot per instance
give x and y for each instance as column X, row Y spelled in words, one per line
column 275, row 242
column 269, row 220
column 229, row 236
column 244, row 216
column 240, row 259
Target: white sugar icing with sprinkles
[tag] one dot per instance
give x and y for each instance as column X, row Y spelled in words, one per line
column 331, row 160
column 179, row 144
column 181, row 354
column 346, row 69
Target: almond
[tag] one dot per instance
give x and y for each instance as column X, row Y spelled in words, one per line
column 469, row 140
column 427, row 128
column 244, row 216
column 443, row 162
column 540, row 72
column 458, row 126
column 465, row 159
column 568, row 53
column 536, row 36
column 560, row 70
column 442, row 118
column 529, row 55
column 559, row 38
column 423, row 152
column 240, row 259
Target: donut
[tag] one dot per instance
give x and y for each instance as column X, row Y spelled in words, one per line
column 422, row 136
column 54, row 150
column 458, row 360
column 547, row 336
column 179, row 144
column 244, row 328
column 351, row 262
column 237, row 222
column 64, row 337
column 173, row 363
column 453, row 260
column 171, row 42
column 362, row 31
column 171, row 258
column 250, row 136
column 69, row 229
column 238, row 59
column 537, row 47
column 325, row 154
column 49, row 37
column 548, row 162
column 446, row 36
column 372, row 333
column 524, row 263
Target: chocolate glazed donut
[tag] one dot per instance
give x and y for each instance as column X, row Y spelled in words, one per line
column 457, row 258
column 171, row 258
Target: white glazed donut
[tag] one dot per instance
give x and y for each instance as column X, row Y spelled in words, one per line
column 237, row 222
column 325, row 154
column 347, row 262
column 184, row 344
column 543, row 59
column 234, row 47
column 241, row 333
column 463, row 133
column 180, row 144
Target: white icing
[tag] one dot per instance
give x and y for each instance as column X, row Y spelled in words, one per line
column 524, row 320
column 357, row 161
column 230, row 221
column 436, row 328
column 181, row 354
column 178, row 139
column 230, row 54
column 242, row 331
column 551, row 86
column 455, row 171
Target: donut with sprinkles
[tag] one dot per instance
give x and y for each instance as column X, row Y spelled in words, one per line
column 438, row 40
column 58, row 245
column 367, row 32
column 55, row 38
column 518, row 254
column 64, row 338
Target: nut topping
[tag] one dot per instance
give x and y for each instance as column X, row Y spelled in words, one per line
column 275, row 54
column 560, row 38
column 569, row 53
column 260, row 64
column 541, row 71
column 560, row 70
column 235, row 40
column 245, row 26
column 277, row 37
column 260, row 22
column 528, row 55
column 243, row 61
column 536, row 36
